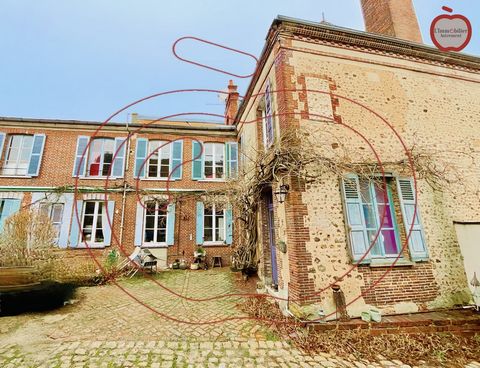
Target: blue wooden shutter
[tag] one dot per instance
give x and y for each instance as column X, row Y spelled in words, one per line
column 176, row 161
column 75, row 228
column 357, row 232
column 66, row 218
column 36, row 154
column 81, row 155
column 197, row 157
column 10, row 207
column 2, row 142
column 139, row 225
column 232, row 159
column 268, row 119
column 229, row 224
column 107, row 226
column 199, row 225
column 118, row 166
column 416, row 241
column 170, row 224
column 140, row 155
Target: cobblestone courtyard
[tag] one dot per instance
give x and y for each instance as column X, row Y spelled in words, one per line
column 108, row 328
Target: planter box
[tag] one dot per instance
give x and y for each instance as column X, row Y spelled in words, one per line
column 13, row 278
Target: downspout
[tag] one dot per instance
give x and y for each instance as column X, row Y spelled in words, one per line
column 125, row 185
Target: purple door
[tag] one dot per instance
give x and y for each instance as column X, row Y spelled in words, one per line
column 271, row 235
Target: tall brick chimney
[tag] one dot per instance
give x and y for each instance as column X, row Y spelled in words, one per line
column 231, row 106
column 395, row 18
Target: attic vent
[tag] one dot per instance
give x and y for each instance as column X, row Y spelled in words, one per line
column 406, row 189
column 351, row 188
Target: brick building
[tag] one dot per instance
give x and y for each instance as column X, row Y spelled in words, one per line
column 86, row 176
column 336, row 84
column 397, row 246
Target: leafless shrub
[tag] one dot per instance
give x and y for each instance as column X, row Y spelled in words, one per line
column 436, row 349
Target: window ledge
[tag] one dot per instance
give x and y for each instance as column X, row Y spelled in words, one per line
column 210, row 244
column 92, row 246
column 17, row 176
column 212, row 180
column 157, row 179
column 99, row 177
column 388, row 263
column 154, row 246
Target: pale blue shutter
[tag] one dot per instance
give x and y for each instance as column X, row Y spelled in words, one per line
column 229, row 225
column 411, row 219
column 36, row 154
column 232, row 159
column 170, row 224
column 76, row 222
column 66, row 219
column 199, row 225
column 197, row 157
column 357, row 233
column 10, row 207
column 140, row 156
column 81, row 154
column 139, row 225
column 107, row 226
column 176, row 161
column 118, row 166
column 2, row 142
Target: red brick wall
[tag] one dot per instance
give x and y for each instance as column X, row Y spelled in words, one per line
column 57, row 167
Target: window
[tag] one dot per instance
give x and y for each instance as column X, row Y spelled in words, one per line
column 8, row 207
column 267, row 118
column 93, row 222
column 100, row 156
column 17, row 156
column 159, row 161
column 54, row 212
column 377, row 204
column 366, row 203
column 214, row 224
column 155, row 222
column 214, row 160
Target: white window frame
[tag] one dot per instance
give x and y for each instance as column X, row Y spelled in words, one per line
column 166, row 149
column 94, row 224
column 155, row 243
column 49, row 206
column 217, row 148
column 14, row 165
column 378, row 216
column 214, row 241
column 102, row 156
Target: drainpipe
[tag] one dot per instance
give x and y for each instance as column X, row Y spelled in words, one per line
column 125, row 184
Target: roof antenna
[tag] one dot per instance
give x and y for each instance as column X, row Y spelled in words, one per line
column 323, row 17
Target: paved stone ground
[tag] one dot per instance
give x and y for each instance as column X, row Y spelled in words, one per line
column 108, row 328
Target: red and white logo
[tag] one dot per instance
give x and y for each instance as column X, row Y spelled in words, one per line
column 451, row 32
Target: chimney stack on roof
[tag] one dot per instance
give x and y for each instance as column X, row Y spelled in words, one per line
column 395, row 18
column 231, row 106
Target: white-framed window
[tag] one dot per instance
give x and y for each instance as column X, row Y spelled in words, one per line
column 267, row 118
column 214, row 163
column 54, row 211
column 159, row 162
column 377, row 202
column 100, row 156
column 155, row 231
column 17, row 157
column 214, row 224
column 93, row 222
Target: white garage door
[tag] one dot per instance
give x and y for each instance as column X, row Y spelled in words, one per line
column 469, row 239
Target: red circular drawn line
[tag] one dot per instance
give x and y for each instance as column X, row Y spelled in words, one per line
column 202, row 90
column 216, row 45
column 237, row 294
column 382, row 221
